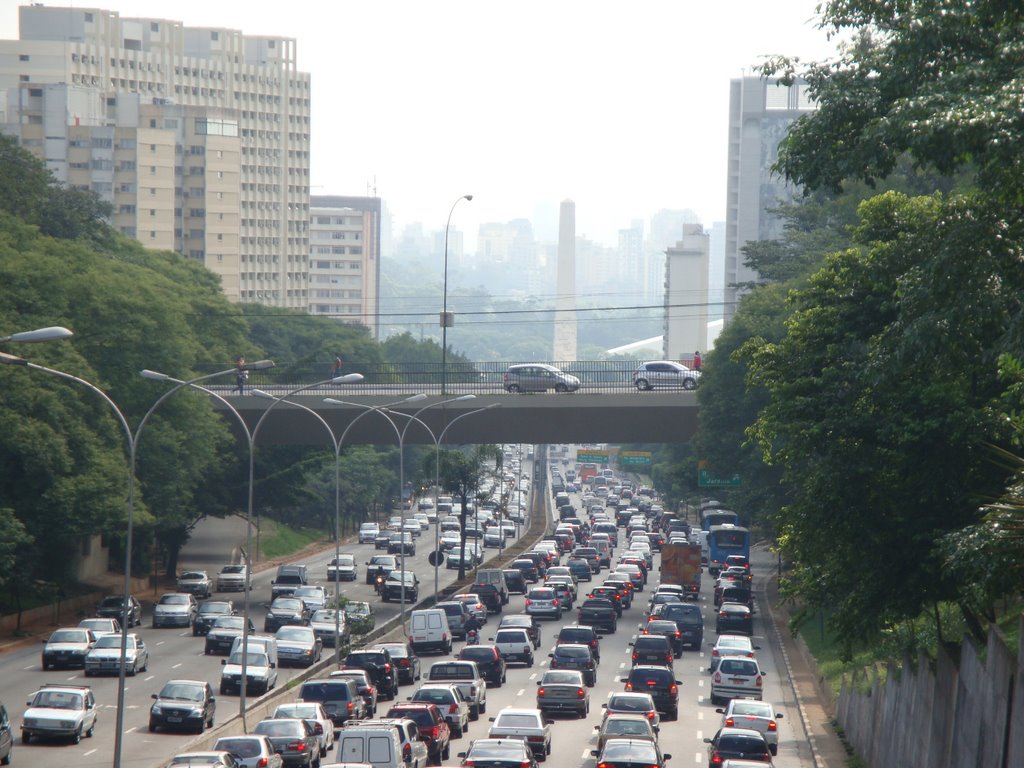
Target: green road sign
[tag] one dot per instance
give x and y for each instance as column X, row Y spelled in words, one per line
column 706, row 480
column 592, row 457
column 635, row 458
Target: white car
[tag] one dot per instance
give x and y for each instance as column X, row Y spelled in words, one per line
column 100, row 626
column 342, row 568
column 251, row 751
column 368, row 532
column 261, row 674
column 756, row 715
column 105, row 656
column 175, row 609
column 450, row 701
column 195, row 583
column 731, row 645
column 313, row 713
column 60, row 711
column 736, row 677
column 527, row 725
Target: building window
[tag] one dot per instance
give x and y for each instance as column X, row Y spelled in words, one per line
column 23, row 57
column 154, row 26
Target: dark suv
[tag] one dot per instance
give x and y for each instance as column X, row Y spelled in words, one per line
column 660, row 683
column 379, row 666
column 187, row 705
column 652, row 649
column 574, row 633
column 516, row 580
column 489, row 596
column 488, row 660
column 688, row 619
column 112, row 607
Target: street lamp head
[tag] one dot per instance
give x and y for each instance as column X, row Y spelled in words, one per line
column 467, row 197
column 332, row 401
column 153, row 375
column 259, row 365
column 6, row 359
column 462, row 398
column 348, row 378
column 415, row 398
column 53, row 333
column 261, row 393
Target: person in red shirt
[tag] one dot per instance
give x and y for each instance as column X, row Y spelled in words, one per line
column 696, row 360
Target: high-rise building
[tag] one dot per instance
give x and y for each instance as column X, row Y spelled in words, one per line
column 344, row 259
column 199, row 137
column 686, row 295
column 760, row 113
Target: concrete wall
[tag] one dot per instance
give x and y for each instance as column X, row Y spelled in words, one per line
column 943, row 713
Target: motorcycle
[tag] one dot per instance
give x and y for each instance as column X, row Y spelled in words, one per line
column 472, row 636
column 378, row 584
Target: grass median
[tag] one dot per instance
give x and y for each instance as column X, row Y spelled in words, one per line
column 280, row 540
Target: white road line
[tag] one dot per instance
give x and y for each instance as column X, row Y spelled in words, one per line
column 585, row 755
column 161, row 642
column 521, row 692
column 700, row 735
column 176, row 666
column 622, row 665
column 91, row 751
column 129, row 730
column 700, row 716
column 30, row 666
column 532, row 677
column 700, row 683
column 73, row 677
column 147, row 679
column 699, row 758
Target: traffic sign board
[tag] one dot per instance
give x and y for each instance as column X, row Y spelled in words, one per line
column 706, row 480
column 592, row 457
column 635, row 458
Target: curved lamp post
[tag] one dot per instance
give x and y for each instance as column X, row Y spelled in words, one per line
column 446, row 319
column 337, row 441
column 133, row 444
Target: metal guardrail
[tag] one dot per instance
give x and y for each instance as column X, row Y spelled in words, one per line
column 605, row 376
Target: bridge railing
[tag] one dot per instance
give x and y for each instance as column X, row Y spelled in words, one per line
column 488, row 377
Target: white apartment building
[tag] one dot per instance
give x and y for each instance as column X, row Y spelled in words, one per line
column 760, row 113
column 344, row 259
column 686, row 295
column 199, row 137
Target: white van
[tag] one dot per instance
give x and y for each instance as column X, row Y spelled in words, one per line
column 428, row 631
column 265, row 643
column 379, row 747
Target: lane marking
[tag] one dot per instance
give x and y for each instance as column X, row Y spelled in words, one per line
column 129, row 730
column 176, row 666
column 585, row 755
column 521, row 692
column 700, row 716
column 147, row 679
column 30, row 666
column 532, row 677
column 91, row 751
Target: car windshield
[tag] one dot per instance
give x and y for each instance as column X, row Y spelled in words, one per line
column 279, row 728
column 623, row 727
column 114, row 641
column 174, row 600
column 738, row 667
column 307, row 711
column 57, row 700
column 504, row 751
column 256, row 659
column 295, row 633
column 630, row 704
column 214, row 608
column 287, row 604
column 70, row 636
column 96, row 624
column 182, row 691
column 192, row 576
column 357, row 609
column 435, row 695
column 568, row 678
column 754, row 708
column 345, row 560
column 517, row 720
column 324, row 614
column 631, row 751
column 114, row 601
column 233, row 569
column 418, row 716
column 572, row 652
column 241, row 746
column 229, row 622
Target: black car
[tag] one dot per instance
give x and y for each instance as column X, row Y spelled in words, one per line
column 737, row 744
column 222, row 633
column 598, row 612
column 609, row 593
column 652, row 649
column 734, row 619
column 578, row 657
column 631, row 753
column 515, row 579
column 660, row 683
column 379, row 665
column 489, row 596
column 688, row 619
column 285, row 610
column 209, row 611
column 583, row 635
column 528, row 568
column 488, row 660
column 668, row 629
column 112, row 607
column 381, row 540
column 405, row 660
column 187, row 705
column 396, row 587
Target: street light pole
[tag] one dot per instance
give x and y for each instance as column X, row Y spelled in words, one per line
column 347, row 379
column 133, row 443
column 446, row 319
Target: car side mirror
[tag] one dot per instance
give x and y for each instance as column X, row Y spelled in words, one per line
column 597, row 727
column 604, row 706
column 778, row 715
column 154, row 696
column 222, row 663
column 708, row 741
column 678, row 682
column 490, row 719
column 595, row 753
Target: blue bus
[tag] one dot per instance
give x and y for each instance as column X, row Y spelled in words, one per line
column 724, row 540
column 711, row 517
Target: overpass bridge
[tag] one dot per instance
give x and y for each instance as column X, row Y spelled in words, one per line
column 607, row 407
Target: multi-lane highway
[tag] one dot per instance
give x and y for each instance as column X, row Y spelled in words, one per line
column 175, row 653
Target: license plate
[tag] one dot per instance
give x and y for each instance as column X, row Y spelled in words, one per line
column 173, row 719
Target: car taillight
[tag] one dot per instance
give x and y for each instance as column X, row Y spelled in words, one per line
column 580, row 693
column 453, row 709
column 524, row 764
column 668, row 657
column 674, row 689
column 718, row 677
column 403, row 663
column 350, row 706
column 729, row 722
column 646, row 632
column 635, row 655
column 444, row 637
column 759, row 681
column 263, row 762
column 629, row 686
column 772, row 725
column 716, row 758
column 678, row 633
column 387, row 667
column 528, row 601
column 555, row 601
column 407, row 752
column 651, row 714
column 540, row 692
column 369, row 689
column 297, row 746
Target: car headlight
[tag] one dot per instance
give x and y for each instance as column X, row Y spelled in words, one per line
column 155, row 710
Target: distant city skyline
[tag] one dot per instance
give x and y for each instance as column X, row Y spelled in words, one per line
column 623, row 109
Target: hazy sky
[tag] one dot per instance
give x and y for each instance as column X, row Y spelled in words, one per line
column 620, row 106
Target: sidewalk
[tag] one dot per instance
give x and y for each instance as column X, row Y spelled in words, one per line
column 816, row 713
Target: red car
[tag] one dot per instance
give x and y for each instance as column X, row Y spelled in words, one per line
column 433, row 728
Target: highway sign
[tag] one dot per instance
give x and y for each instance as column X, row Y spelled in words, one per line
column 707, row 480
column 635, row 458
column 592, row 457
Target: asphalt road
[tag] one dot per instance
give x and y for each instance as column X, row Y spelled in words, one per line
column 175, row 653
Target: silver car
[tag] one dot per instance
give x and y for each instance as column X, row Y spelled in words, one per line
column 323, row 623
column 539, row 377
column 105, row 656
column 299, row 646
column 251, row 751
column 666, row 374
column 527, row 725
column 195, row 583
column 175, row 609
